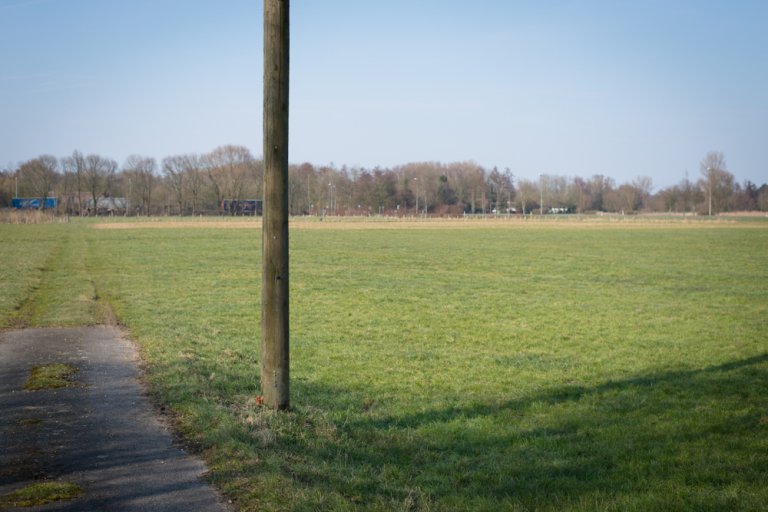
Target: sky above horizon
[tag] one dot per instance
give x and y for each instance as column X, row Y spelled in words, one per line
column 572, row 88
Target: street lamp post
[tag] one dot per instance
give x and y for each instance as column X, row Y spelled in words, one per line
column 709, row 186
column 417, row 196
column 541, row 192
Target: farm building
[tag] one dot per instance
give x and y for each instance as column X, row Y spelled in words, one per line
column 106, row 206
column 242, row 206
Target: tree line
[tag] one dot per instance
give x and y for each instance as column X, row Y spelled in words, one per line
column 215, row 183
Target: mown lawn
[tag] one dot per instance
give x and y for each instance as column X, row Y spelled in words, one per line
column 480, row 367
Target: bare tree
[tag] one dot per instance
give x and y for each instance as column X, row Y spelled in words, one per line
column 745, row 197
column 98, row 173
column 195, row 181
column 459, row 182
column 644, row 186
column 40, row 175
column 715, row 178
column 668, row 199
column 174, row 171
column 687, row 191
column 762, row 198
column 558, row 192
column 599, row 187
column 301, row 183
column 528, row 196
column 502, row 189
column 74, row 173
column 141, row 175
column 230, row 169
column 476, row 176
column 7, row 185
column 579, row 192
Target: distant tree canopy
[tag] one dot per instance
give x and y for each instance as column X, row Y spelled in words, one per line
column 215, row 183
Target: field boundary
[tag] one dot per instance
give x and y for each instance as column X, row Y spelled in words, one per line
column 435, row 222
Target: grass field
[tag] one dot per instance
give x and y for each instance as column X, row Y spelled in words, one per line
column 441, row 366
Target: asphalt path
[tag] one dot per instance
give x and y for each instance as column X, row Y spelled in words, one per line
column 102, row 433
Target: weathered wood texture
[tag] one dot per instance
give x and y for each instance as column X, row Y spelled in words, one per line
column 274, row 310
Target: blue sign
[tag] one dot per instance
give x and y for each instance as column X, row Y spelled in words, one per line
column 33, row 203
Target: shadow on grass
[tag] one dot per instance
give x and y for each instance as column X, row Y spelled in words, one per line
column 683, row 381
column 684, row 440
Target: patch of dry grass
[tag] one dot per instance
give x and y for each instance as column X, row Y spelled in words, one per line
column 9, row 216
column 469, row 222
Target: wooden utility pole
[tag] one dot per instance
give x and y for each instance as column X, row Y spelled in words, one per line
column 274, row 294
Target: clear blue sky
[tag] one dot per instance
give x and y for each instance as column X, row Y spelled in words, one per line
column 616, row 87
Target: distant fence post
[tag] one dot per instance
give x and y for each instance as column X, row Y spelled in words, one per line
column 274, row 296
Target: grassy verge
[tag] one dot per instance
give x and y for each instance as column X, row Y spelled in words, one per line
column 521, row 368
column 45, row 282
column 24, row 251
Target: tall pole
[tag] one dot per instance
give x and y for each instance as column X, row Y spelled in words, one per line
column 274, row 294
column 710, row 171
column 417, row 196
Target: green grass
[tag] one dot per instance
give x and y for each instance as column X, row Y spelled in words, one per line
column 50, row 376
column 24, row 251
column 508, row 367
column 45, row 282
column 41, row 493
